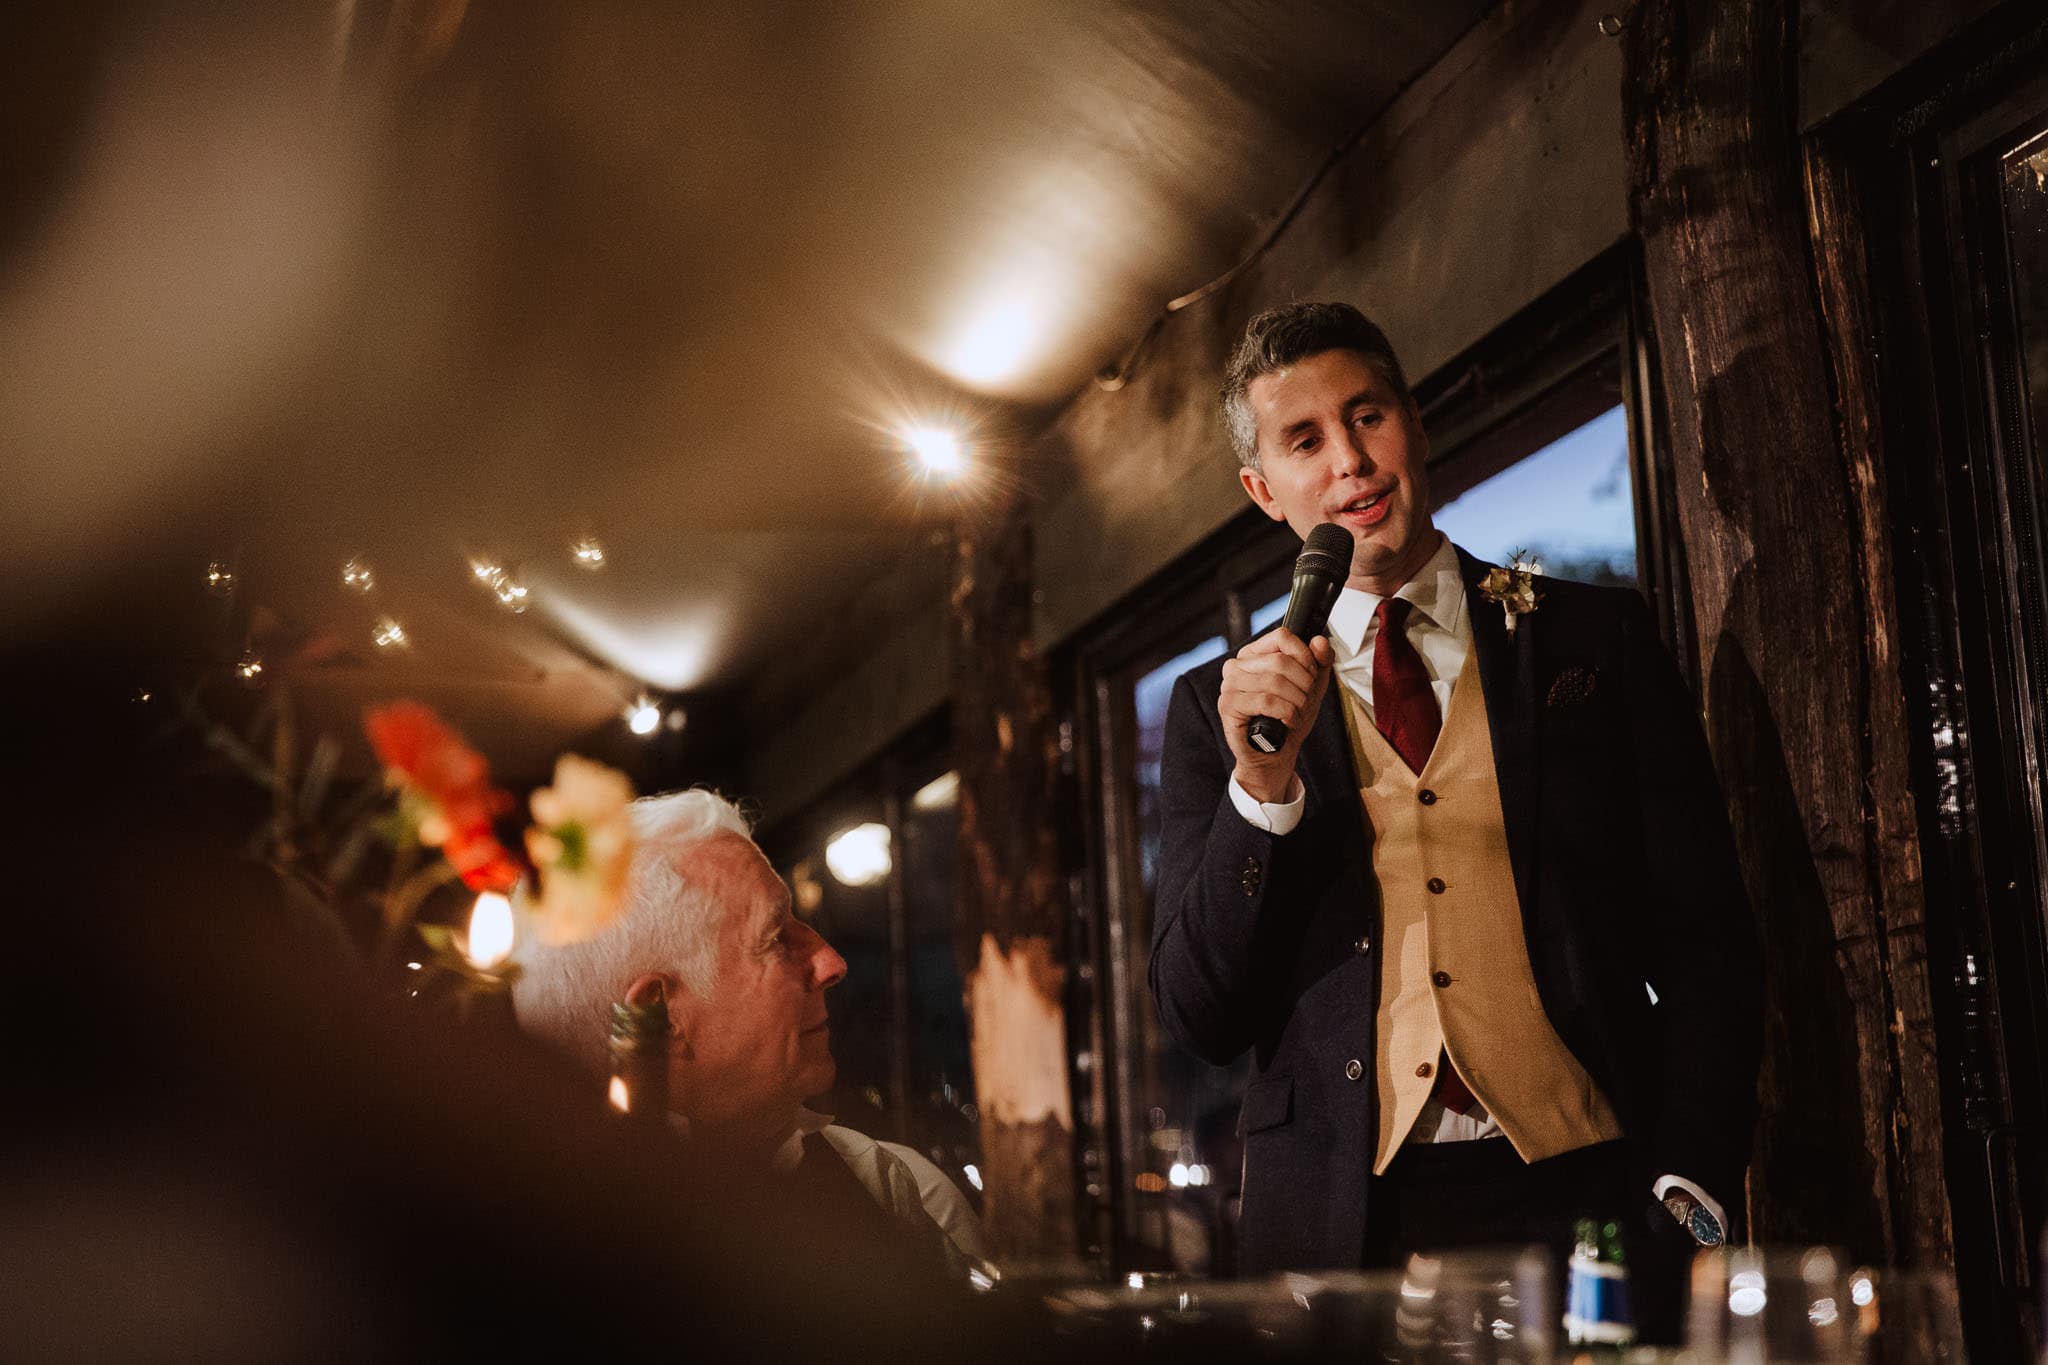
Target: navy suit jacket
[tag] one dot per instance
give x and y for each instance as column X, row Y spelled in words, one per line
column 1624, row 867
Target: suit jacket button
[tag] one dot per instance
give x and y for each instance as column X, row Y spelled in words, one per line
column 1426, row 797
column 1424, row 1070
column 1436, row 886
column 1441, row 979
column 1353, row 1069
column 1363, row 946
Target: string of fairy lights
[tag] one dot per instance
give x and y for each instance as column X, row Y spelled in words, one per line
column 505, row 583
column 936, row 452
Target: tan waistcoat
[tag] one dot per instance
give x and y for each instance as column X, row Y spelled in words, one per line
column 1454, row 976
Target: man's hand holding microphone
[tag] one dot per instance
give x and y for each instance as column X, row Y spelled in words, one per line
column 1274, row 688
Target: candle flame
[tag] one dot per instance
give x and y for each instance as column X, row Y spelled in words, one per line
column 621, row 1101
column 490, row 932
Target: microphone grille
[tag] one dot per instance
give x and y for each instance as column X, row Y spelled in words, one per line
column 1332, row 542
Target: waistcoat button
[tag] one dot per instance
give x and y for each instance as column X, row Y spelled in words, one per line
column 1426, row 797
column 1441, row 978
column 1436, row 886
column 1353, row 1069
column 1363, row 946
column 1424, row 1070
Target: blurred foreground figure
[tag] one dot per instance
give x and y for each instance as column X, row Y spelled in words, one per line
column 708, row 929
column 224, row 1143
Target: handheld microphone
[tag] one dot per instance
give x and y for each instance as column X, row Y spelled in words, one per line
column 1319, row 573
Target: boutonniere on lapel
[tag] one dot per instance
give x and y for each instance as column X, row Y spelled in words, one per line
column 1514, row 588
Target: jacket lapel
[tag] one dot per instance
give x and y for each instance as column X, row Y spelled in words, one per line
column 1507, row 679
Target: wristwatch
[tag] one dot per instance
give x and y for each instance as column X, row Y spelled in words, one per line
column 1695, row 1217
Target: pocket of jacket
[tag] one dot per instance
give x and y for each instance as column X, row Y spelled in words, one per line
column 1268, row 1103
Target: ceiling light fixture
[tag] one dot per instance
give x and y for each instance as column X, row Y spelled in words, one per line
column 937, row 450
column 643, row 717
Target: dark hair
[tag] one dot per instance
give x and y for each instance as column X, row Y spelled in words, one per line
column 1278, row 338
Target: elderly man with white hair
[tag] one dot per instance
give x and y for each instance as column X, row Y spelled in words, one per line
column 708, row 928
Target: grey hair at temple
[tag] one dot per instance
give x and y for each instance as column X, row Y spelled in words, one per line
column 1279, row 337
column 669, row 923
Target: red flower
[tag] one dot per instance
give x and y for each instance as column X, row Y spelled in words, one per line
column 454, row 781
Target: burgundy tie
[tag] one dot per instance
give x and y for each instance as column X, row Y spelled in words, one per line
column 1403, row 706
column 1404, row 709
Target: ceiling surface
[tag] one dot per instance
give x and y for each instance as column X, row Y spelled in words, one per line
column 424, row 283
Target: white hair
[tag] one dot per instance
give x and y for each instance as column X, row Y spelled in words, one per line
column 669, row 922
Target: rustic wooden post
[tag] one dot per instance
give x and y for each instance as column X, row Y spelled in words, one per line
column 1757, row 304
column 1009, row 935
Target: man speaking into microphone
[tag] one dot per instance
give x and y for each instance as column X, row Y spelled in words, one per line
column 1477, row 916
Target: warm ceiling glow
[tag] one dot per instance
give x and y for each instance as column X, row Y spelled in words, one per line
column 644, row 717
column 673, row 651
column 937, row 449
column 860, row 856
column 490, row 932
column 996, row 342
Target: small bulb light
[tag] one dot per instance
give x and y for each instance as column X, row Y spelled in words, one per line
column 511, row 593
column 644, row 717
column 937, row 449
column 249, row 668
column 621, row 1100
column 860, row 856
column 490, row 932
column 588, row 554
column 389, row 634
column 220, row 579
column 355, row 575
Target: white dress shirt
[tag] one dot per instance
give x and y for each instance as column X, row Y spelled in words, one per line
column 1439, row 625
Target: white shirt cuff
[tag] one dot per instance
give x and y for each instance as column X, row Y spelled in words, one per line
column 1274, row 818
column 1667, row 1183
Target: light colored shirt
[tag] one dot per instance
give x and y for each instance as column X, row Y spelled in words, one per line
column 1439, row 625
column 901, row 1180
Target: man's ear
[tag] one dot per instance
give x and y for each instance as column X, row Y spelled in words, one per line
column 1255, row 488
column 666, row 987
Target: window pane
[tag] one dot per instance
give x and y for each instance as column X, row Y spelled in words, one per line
column 1268, row 614
column 2026, row 237
column 1186, row 1166
column 1570, row 505
column 1151, row 695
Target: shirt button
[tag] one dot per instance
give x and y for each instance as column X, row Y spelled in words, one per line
column 1424, row 1070
column 1436, row 886
column 1426, row 797
column 1353, row 1069
column 1442, row 979
column 1363, row 946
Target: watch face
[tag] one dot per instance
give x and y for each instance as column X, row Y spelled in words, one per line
column 1706, row 1229
column 1695, row 1217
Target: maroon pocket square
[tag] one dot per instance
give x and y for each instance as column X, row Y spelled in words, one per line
column 1572, row 687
